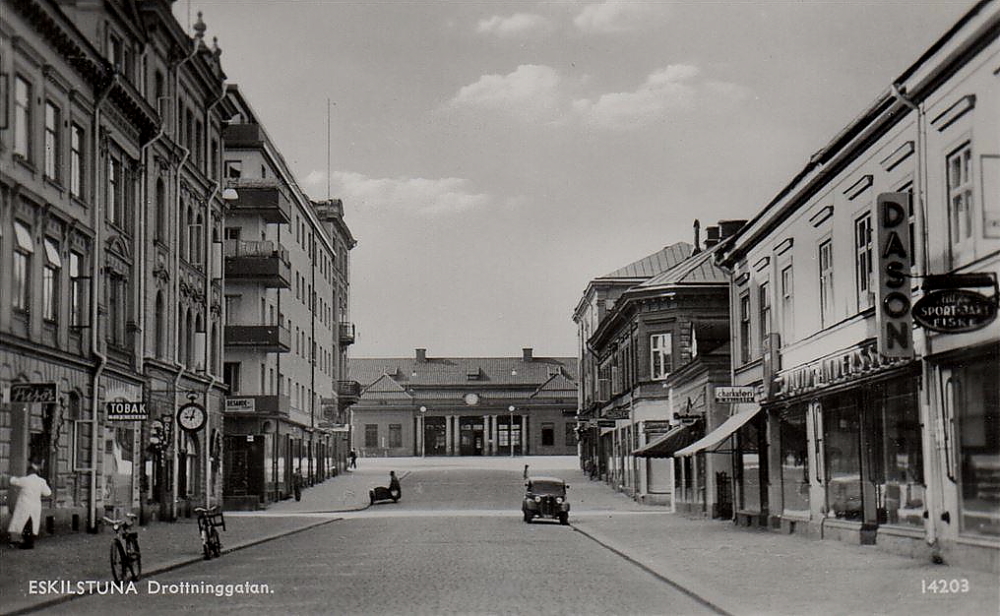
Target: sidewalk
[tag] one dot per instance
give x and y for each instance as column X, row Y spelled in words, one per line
column 165, row 545
column 744, row 571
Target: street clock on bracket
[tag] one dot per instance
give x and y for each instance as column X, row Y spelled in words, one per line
column 191, row 417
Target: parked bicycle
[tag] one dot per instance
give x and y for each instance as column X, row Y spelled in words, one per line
column 208, row 521
column 126, row 559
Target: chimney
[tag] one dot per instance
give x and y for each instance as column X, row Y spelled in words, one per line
column 730, row 227
column 421, row 354
column 697, row 236
column 526, row 353
column 711, row 236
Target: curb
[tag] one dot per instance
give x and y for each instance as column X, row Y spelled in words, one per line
column 650, row 570
column 170, row 566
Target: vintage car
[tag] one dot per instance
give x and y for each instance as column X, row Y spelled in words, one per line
column 545, row 497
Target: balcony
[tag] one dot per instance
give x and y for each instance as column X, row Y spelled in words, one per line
column 267, row 338
column 346, row 334
column 259, row 198
column 264, row 262
column 348, row 393
column 258, row 405
column 243, row 136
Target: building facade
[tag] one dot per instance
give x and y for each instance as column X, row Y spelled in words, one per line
column 465, row 406
column 863, row 304
column 94, row 152
column 286, row 298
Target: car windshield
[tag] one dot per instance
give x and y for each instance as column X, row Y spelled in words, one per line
column 553, row 488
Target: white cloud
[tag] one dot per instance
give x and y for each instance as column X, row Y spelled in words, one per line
column 531, row 92
column 404, row 194
column 665, row 91
column 620, row 16
column 518, row 24
column 314, row 178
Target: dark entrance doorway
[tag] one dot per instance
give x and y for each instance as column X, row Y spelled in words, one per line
column 244, row 464
column 471, row 436
column 435, row 441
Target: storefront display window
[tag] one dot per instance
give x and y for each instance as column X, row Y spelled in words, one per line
column 976, row 408
column 899, row 482
column 842, row 440
column 118, row 459
column 748, row 464
column 794, row 462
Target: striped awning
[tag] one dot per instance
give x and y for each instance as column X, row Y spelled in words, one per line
column 714, row 438
column 665, row 446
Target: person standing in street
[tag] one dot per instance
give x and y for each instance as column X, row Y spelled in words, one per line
column 27, row 517
column 297, row 484
column 525, row 471
column 354, row 459
column 394, row 486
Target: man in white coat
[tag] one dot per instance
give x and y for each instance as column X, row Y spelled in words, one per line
column 31, row 489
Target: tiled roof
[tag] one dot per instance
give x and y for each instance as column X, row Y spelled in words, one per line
column 654, row 264
column 384, row 388
column 456, row 371
column 698, row 269
column 558, row 386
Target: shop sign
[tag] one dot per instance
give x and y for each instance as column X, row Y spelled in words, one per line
column 241, row 404
column 850, row 364
column 658, row 425
column 892, row 300
column 605, row 423
column 126, row 411
column 618, row 413
column 954, row 311
column 735, row 395
column 34, row 392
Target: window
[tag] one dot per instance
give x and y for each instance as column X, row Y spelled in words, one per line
column 794, row 462
column 826, row 282
column 787, row 306
column 75, row 290
column 975, row 404
column 745, row 327
column 548, row 434
column 51, row 141
column 863, row 261
column 395, row 435
column 159, row 327
column 22, row 117
column 22, row 267
column 371, row 435
column 660, row 355
column 50, row 281
column 76, row 145
column 764, row 305
column 114, row 196
column 960, row 196
column 234, row 169
column 160, row 232
column 570, row 434
column 117, row 300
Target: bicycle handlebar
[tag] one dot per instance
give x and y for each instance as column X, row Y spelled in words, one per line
column 202, row 510
column 128, row 516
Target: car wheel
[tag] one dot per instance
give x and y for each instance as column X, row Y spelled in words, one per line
column 527, row 517
column 564, row 518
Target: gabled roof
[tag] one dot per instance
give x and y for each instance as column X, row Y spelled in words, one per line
column 654, row 264
column 698, row 269
column 384, row 388
column 558, row 386
column 456, row 371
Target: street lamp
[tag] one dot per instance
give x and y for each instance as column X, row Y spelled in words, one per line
column 423, row 432
column 510, row 430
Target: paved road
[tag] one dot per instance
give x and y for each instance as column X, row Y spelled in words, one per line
column 454, row 544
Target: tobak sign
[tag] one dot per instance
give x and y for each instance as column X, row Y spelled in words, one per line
column 126, row 411
column 892, row 306
column 953, row 311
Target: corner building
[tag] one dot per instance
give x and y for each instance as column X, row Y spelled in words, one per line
column 858, row 435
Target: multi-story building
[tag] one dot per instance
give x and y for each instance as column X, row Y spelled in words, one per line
column 598, row 300
column 93, row 110
column 465, row 406
column 863, row 312
column 285, row 306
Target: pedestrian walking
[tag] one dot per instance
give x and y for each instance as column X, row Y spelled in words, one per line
column 297, row 484
column 525, row 471
column 394, row 486
column 354, row 459
column 27, row 517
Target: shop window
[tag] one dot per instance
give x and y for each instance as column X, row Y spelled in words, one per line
column 842, row 441
column 899, row 475
column 750, row 464
column 548, row 434
column 794, row 462
column 371, row 436
column 976, row 405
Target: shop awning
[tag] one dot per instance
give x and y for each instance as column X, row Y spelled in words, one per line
column 665, row 446
column 715, row 437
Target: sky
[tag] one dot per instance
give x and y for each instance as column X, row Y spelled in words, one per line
column 494, row 157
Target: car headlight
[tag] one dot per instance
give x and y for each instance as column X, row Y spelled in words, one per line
column 538, row 499
column 559, row 500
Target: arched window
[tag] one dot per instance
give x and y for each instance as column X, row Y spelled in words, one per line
column 160, row 220
column 159, row 327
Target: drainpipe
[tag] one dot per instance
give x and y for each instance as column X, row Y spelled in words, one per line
column 931, row 448
column 95, row 271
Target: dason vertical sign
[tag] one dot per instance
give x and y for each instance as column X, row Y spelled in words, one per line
column 895, row 325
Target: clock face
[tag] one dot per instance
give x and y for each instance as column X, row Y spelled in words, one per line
column 191, row 417
column 472, row 399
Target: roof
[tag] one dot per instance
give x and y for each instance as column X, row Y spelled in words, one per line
column 462, row 371
column 558, row 386
column 545, row 478
column 655, row 263
column 384, row 388
column 698, row 269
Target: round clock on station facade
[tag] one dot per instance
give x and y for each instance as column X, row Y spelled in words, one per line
column 191, row 417
column 472, row 399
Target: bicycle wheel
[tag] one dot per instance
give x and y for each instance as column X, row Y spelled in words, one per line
column 119, row 561
column 206, row 547
column 135, row 557
column 215, row 542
